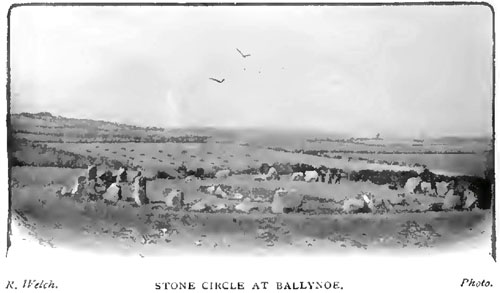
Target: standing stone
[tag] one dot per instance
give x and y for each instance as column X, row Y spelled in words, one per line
column 200, row 172
column 140, row 191
column 412, row 184
column 122, row 175
column 79, row 188
column 452, row 201
column 469, row 200
column 92, row 172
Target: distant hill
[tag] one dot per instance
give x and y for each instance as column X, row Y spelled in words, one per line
column 45, row 127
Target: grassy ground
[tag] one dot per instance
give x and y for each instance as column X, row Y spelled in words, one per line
column 154, row 228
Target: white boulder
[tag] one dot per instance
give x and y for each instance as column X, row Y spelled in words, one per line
column 219, row 207
column 411, row 184
column 470, row 199
column 221, row 174
column 310, row 176
column 426, row 188
column 442, row 187
column 452, row 201
column 259, row 178
column 113, row 193
column 219, row 192
column 246, row 206
column 211, row 189
column 199, row 206
column 175, row 199
column 297, row 176
column 272, row 174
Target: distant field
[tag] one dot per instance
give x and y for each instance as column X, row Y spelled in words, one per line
column 157, row 156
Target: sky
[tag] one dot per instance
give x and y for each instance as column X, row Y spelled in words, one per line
column 412, row 71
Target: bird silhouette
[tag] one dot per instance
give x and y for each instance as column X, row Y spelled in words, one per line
column 219, row 81
column 243, row 55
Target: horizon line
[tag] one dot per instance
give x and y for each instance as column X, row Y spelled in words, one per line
column 265, row 129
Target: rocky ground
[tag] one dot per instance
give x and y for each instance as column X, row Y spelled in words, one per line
column 162, row 214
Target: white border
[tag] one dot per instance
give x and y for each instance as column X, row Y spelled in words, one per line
column 88, row 272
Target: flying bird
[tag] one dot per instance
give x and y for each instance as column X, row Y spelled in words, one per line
column 242, row 55
column 219, row 81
